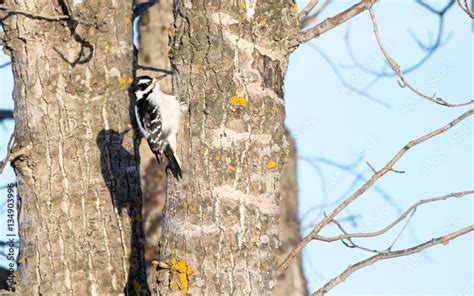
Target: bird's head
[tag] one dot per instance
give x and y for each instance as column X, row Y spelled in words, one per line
column 143, row 85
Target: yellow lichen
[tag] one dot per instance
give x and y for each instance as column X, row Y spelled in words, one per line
column 192, row 209
column 121, row 81
column 183, row 280
column 129, row 250
column 274, row 109
column 262, row 21
column 126, row 20
column 130, row 80
column 253, row 187
column 217, row 157
column 242, row 5
column 235, row 100
column 174, row 286
column 232, row 168
column 271, row 164
column 294, row 7
column 74, row 149
column 180, row 268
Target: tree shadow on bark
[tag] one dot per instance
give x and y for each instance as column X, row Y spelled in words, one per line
column 120, row 174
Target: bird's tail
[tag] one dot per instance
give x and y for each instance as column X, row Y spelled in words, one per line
column 173, row 164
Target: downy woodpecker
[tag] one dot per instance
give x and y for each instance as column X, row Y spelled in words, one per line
column 158, row 116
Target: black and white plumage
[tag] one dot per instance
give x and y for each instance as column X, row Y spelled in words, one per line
column 158, row 116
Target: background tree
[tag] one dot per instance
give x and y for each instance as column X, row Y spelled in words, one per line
column 74, row 151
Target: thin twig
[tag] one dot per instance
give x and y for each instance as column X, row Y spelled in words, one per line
column 382, row 256
column 396, row 221
column 371, row 167
column 314, row 16
column 401, row 231
column 365, row 187
column 302, row 15
column 351, row 243
column 396, row 68
column 7, row 158
column 5, row 65
column 329, row 23
column 466, row 8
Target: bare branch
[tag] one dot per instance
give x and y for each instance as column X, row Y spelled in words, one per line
column 396, row 221
column 302, row 15
column 5, row 65
column 8, row 157
column 464, row 6
column 377, row 175
column 404, row 83
column 6, row 114
column 400, row 253
column 429, row 49
column 314, row 16
column 330, row 23
column 351, row 243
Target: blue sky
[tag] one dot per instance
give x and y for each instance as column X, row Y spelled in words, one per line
column 340, row 129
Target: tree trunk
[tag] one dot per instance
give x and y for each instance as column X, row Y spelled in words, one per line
column 78, row 178
column 221, row 221
column 291, row 282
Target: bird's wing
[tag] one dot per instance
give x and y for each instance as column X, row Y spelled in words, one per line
column 150, row 121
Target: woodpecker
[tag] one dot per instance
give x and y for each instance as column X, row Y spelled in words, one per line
column 158, row 116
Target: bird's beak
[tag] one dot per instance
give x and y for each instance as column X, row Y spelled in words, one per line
column 160, row 77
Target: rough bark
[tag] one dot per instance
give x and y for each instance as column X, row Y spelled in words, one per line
column 291, row 282
column 153, row 30
column 78, row 178
column 220, row 231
